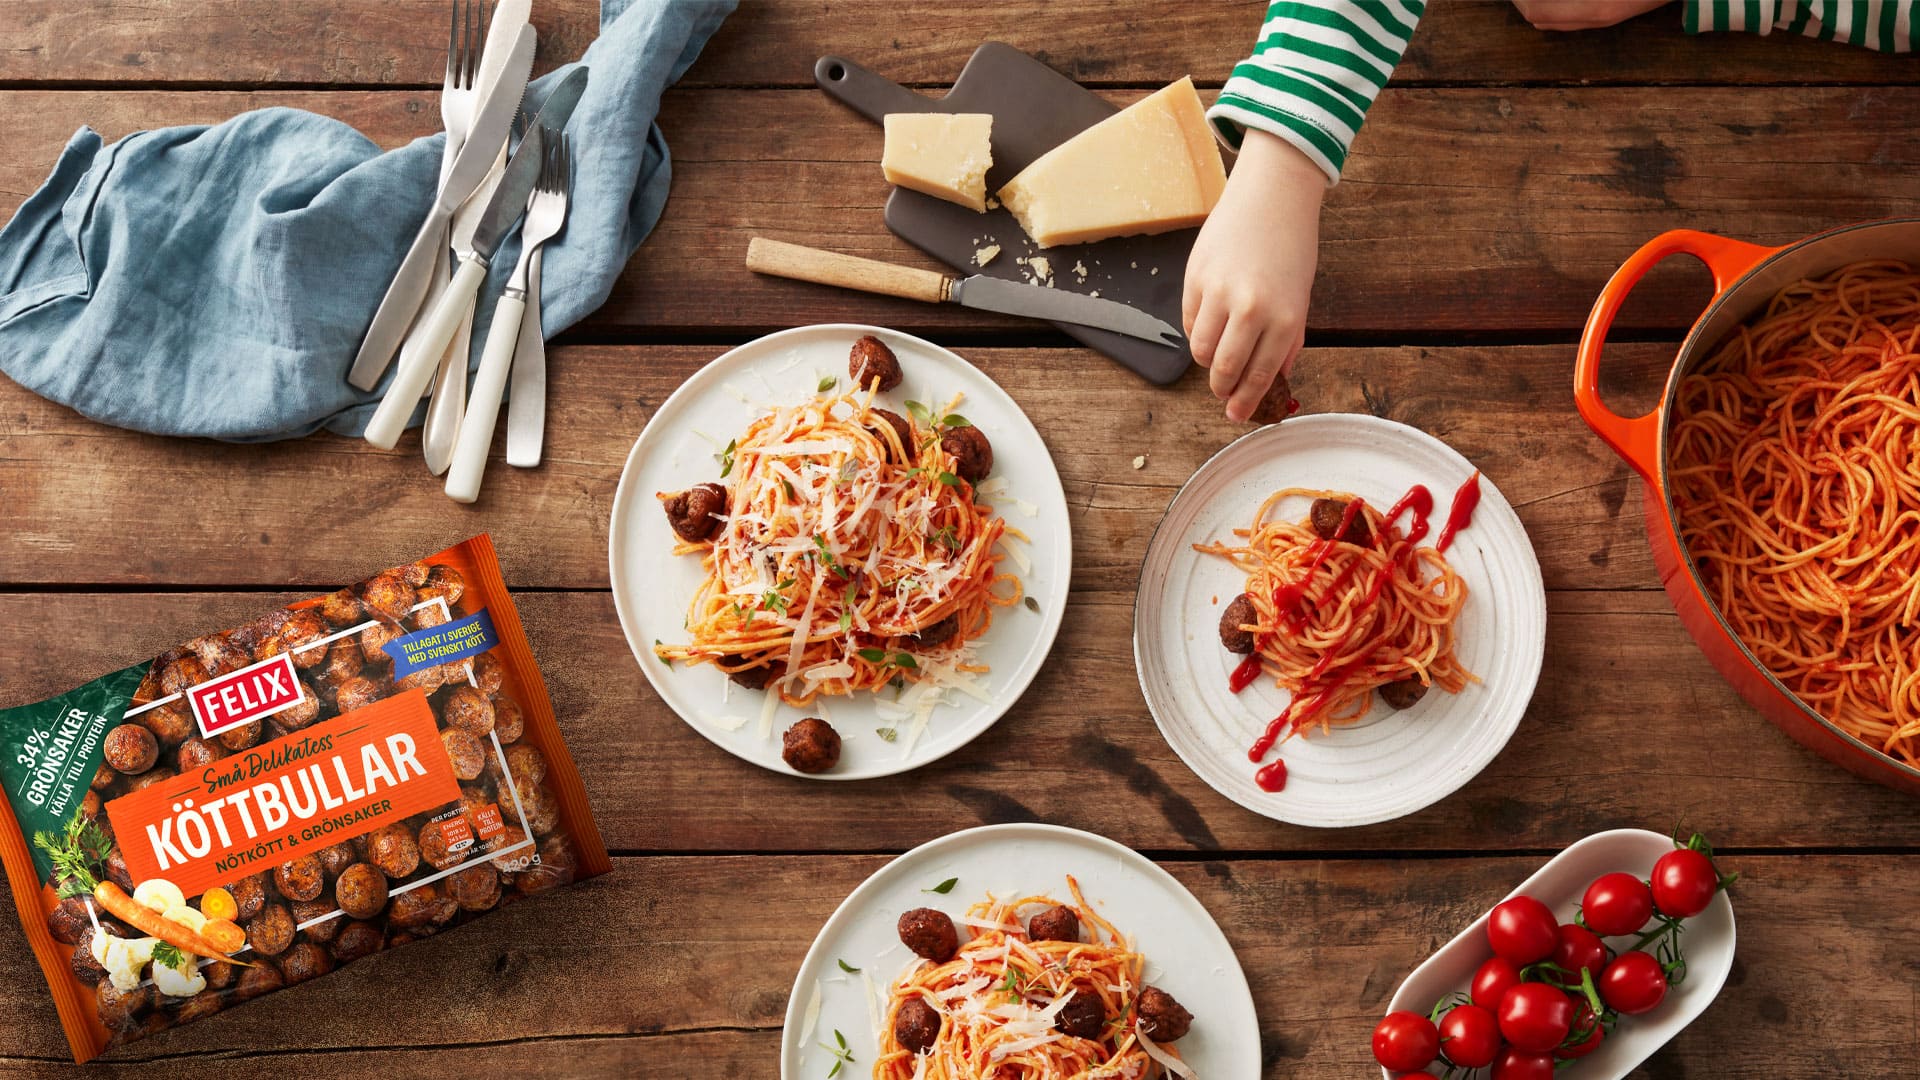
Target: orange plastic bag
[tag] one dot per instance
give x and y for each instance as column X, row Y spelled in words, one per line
column 344, row 775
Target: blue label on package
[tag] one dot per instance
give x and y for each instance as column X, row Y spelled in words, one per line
column 443, row 644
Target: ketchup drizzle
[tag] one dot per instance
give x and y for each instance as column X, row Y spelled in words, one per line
column 1461, row 514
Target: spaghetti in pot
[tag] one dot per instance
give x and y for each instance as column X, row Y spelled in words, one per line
column 999, row 999
column 848, row 555
column 1333, row 620
column 1795, row 473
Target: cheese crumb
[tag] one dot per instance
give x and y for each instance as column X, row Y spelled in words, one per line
column 1140, row 462
column 1042, row 269
column 985, row 255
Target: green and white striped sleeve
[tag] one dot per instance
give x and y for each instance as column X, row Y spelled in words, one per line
column 1314, row 72
column 1886, row 25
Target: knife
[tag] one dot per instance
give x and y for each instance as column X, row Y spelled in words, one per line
column 410, row 284
column 985, row 293
column 474, row 246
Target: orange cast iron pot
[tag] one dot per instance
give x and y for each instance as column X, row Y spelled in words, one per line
column 1745, row 277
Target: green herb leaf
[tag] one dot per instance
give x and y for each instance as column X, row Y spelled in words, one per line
column 846, row 619
column 944, row 887
column 657, row 656
column 919, row 412
column 955, row 420
column 949, row 479
column 788, row 485
column 726, row 458
column 170, row 956
column 827, row 383
column 887, row 733
column 848, row 968
column 902, row 660
column 848, row 470
column 872, row 656
column 1032, row 604
column 841, row 1039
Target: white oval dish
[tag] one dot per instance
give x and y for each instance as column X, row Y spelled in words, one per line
column 678, row 449
column 1186, row 953
column 1708, row 942
column 1389, row 764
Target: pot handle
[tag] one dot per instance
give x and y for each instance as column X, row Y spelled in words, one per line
column 1637, row 439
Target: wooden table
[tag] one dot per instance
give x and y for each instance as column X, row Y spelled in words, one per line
column 1496, row 185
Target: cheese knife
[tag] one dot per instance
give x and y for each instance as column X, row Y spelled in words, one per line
column 979, row 291
column 474, row 248
column 410, row 284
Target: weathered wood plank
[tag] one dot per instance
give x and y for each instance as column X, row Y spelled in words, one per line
column 327, row 510
column 773, row 42
column 1462, row 210
column 677, row 960
column 1629, row 725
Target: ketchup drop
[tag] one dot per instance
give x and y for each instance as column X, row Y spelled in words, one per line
column 1272, row 776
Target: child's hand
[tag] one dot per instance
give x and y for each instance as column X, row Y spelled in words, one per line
column 1582, row 14
column 1245, row 305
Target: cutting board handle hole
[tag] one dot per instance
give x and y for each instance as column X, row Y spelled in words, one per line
column 836, row 72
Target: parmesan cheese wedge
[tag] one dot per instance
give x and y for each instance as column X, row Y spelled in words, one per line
column 945, row 155
column 1150, row 168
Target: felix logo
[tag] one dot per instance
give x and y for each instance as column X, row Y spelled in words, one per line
column 241, row 697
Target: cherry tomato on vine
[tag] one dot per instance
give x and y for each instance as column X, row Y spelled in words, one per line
column 1517, row 1064
column 1583, row 1020
column 1633, row 984
column 1522, row 930
column 1405, row 1041
column 1577, row 948
column 1616, row 904
column 1684, row 882
column 1492, row 981
column 1469, row 1036
column 1536, row 1017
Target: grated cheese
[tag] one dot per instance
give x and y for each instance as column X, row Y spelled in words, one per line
column 812, row 1016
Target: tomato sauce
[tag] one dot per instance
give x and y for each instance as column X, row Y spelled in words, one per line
column 1464, row 502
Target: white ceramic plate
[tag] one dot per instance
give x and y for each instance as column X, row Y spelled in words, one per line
column 1187, row 955
column 1708, row 942
column 651, row 586
column 1389, row 763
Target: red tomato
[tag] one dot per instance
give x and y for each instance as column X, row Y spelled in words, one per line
column 1617, row 904
column 1633, row 983
column 1514, row 1064
column 1684, row 882
column 1492, row 982
column 1582, row 1021
column 1536, row 1017
column 1576, row 948
column 1522, row 930
column 1469, row 1036
column 1405, row 1041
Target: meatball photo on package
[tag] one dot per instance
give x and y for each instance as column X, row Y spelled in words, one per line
column 264, row 804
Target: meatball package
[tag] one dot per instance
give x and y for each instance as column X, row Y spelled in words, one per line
column 264, row 804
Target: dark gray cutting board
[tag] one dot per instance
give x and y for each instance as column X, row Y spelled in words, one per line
column 1035, row 109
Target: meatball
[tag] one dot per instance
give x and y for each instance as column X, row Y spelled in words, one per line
column 444, row 582
column 929, row 934
column 1057, row 923
column 469, row 758
column 524, row 761
column 373, row 641
column 393, row 850
column 1402, row 693
column 341, row 609
column 388, row 596
column 249, row 895
column 132, row 749
column 540, row 805
column 219, row 974
column 972, row 452
column 197, row 753
column 239, row 738
column 262, row 978
column 219, row 654
column 358, row 939
column 301, row 878
column 301, row 630
column 170, row 723
column 419, row 907
column 103, row 777
column 753, row 678
column 811, row 746
column 468, row 709
column 295, row 717
column 1160, row 1017
column 359, row 692
column 69, row 921
column 555, row 868
column 1326, row 514
column 335, row 858
column 431, row 615
column 937, row 634
column 199, row 1006
column 121, row 1008
column 271, row 931
column 871, row 362
column 1277, row 405
column 427, row 679
column 900, row 427
column 509, row 723
column 85, row 967
column 117, row 871
column 361, row 891
column 159, row 774
column 306, row 911
column 1082, row 1017
column 476, row 888
column 184, row 672
column 916, row 1027
column 489, row 674
column 306, row 961
column 695, row 513
column 1234, row 637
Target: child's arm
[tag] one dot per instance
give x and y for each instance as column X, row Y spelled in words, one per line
column 1291, row 109
column 1886, row 25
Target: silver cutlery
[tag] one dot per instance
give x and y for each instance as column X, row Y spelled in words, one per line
column 527, row 407
column 474, row 247
column 470, row 167
column 545, row 214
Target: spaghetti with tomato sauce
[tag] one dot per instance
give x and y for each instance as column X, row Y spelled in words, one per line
column 1341, row 611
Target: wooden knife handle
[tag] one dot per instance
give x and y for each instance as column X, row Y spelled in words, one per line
column 847, row 271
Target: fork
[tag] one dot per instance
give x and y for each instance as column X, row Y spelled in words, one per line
column 546, row 212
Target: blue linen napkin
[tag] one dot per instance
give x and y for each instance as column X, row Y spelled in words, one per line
column 216, row 281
